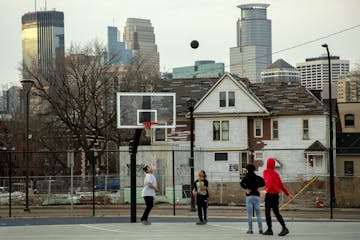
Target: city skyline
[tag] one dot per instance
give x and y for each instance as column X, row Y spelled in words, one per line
column 213, row 25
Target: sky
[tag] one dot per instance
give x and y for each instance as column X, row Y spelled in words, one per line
column 177, row 22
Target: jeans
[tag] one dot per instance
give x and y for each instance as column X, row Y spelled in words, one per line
column 149, row 201
column 253, row 202
column 272, row 202
column 202, row 205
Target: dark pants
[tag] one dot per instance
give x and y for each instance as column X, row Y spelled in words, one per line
column 272, row 202
column 149, row 201
column 202, row 205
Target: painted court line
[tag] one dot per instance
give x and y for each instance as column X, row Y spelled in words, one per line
column 222, row 226
column 102, row 229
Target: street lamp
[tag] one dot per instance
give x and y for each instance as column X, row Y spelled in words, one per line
column 27, row 84
column 191, row 103
column 331, row 152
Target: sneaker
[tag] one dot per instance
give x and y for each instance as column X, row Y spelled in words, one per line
column 200, row 222
column 205, row 221
column 268, row 232
column 284, row 231
column 260, row 231
column 146, row 222
column 249, row 232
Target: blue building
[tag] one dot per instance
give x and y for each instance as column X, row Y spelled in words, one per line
column 201, row 69
column 117, row 52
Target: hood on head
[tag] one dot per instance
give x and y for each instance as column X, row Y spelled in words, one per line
column 270, row 164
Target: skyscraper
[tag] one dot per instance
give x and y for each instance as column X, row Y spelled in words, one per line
column 43, row 42
column 314, row 73
column 117, row 52
column 139, row 37
column 253, row 51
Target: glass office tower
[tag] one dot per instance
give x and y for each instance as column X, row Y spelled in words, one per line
column 253, row 51
column 43, row 42
column 117, row 52
column 139, row 37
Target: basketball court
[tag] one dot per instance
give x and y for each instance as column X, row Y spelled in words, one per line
column 165, row 228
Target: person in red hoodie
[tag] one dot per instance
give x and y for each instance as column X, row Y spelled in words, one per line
column 273, row 186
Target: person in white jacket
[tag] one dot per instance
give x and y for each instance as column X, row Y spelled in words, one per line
column 148, row 193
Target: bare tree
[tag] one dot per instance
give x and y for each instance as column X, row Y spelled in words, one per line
column 74, row 102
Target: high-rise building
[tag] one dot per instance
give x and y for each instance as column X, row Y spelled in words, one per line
column 252, row 53
column 314, row 73
column 349, row 88
column 43, row 42
column 201, row 69
column 139, row 37
column 280, row 71
column 117, row 52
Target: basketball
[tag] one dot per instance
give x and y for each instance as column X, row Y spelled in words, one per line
column 194, row 44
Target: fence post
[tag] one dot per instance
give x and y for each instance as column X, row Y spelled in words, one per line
column 93, row 178
column 173, row 179
column 10, row 180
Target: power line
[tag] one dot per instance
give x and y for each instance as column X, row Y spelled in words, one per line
column 298, row 45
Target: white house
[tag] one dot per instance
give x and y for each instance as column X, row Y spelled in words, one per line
column 237, row 123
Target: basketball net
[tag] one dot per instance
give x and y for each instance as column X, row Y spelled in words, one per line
column 147, row 127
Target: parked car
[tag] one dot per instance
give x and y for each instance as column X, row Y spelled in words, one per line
column 4, row 189
column 113, row 183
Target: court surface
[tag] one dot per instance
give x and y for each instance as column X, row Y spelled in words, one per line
column 165, row 228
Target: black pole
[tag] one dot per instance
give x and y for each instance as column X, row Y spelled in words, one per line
column 134, row 146
column 10, row 180
column 191, row 160
column 173, row 180
column 331, row 151
column 27, row 209
column 92, row 157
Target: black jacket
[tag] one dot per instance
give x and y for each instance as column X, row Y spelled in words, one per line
column 253, row 182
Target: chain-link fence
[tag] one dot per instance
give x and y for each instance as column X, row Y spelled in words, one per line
column 102, row 179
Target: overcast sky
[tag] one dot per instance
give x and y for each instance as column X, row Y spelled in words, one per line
column 177, row 22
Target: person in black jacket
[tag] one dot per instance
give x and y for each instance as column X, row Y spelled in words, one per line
column 200, row 191
column 251, row 182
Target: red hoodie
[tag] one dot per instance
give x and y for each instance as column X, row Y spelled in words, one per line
column 273, row 183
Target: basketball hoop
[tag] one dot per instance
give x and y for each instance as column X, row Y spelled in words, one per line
column 147, row 127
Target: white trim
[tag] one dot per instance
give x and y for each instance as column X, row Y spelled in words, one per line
column 168, row 94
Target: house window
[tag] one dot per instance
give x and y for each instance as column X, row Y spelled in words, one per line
column 216, row 130
column 231, row 99
column 243, row 159
column 221, row 156
column 258, row 156
column 349, row 120
column 222, row 97
column 160, row 134
column 258, row 127
column 221, row 130
column 227, row 97
column 225, row 130
column 349, row 168
column 316, row 161
column 306, row 129
column 275, row 129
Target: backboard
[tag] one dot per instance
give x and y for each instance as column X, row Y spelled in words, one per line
column 134, row 108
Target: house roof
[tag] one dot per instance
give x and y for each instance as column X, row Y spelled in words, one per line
column 280, row 64
column 348, row 143
column 316, row 146
column 287, row 99
column 186, row 89
column 278, row 98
